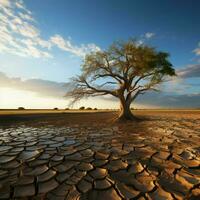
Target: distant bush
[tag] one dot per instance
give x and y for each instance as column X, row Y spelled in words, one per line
column 132, row 108
column 95, row 109
column 21, row 108
column 66, row 108
column 55, row 108
column 88, row 108
column 82, row 108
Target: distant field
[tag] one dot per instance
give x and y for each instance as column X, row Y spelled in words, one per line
column 137, row 111
column 87, row 117
column 41, row 111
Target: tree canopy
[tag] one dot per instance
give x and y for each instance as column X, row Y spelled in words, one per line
column 124, row 71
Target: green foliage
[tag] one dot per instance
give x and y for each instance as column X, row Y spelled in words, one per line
column 138, row 59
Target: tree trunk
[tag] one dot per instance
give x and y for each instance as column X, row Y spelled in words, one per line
column 125, row 111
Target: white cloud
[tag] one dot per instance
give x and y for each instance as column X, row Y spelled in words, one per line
column 5, row 3
column 149, row 35
column 16, row 27
column 66, row 45
column 60, row 42
column 197, row 50
column 140, row 42
column 190, row 71
column 19, row 4
column 144, row 37
column 181, row 84
column 20, row 36
column 26, row 17
column 41, row 87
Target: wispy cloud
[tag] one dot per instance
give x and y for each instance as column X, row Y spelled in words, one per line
column 145, row 37
column 170, row 101
column 20, row 36
column 40, row 87
column 181, row 84
column 191, row 71
column 66, row 45
column 197, row 50
column 149, row 35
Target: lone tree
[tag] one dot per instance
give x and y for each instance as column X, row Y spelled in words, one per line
column 124, row 71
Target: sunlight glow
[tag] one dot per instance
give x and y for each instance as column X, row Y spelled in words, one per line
column 12, row 99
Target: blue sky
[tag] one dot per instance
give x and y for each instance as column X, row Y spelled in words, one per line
column 47, row 40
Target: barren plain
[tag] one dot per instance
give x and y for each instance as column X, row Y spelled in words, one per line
column 86, row 155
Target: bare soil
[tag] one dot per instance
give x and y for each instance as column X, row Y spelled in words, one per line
column 88, row 155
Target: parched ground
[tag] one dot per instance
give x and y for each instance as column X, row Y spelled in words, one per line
column 88, row 156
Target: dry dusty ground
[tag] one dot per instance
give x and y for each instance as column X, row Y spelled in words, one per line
column 88, row 156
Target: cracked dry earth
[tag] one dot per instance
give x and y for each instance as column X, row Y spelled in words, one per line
column 77, row 162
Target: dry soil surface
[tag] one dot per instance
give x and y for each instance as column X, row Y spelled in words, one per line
column 88, row 156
